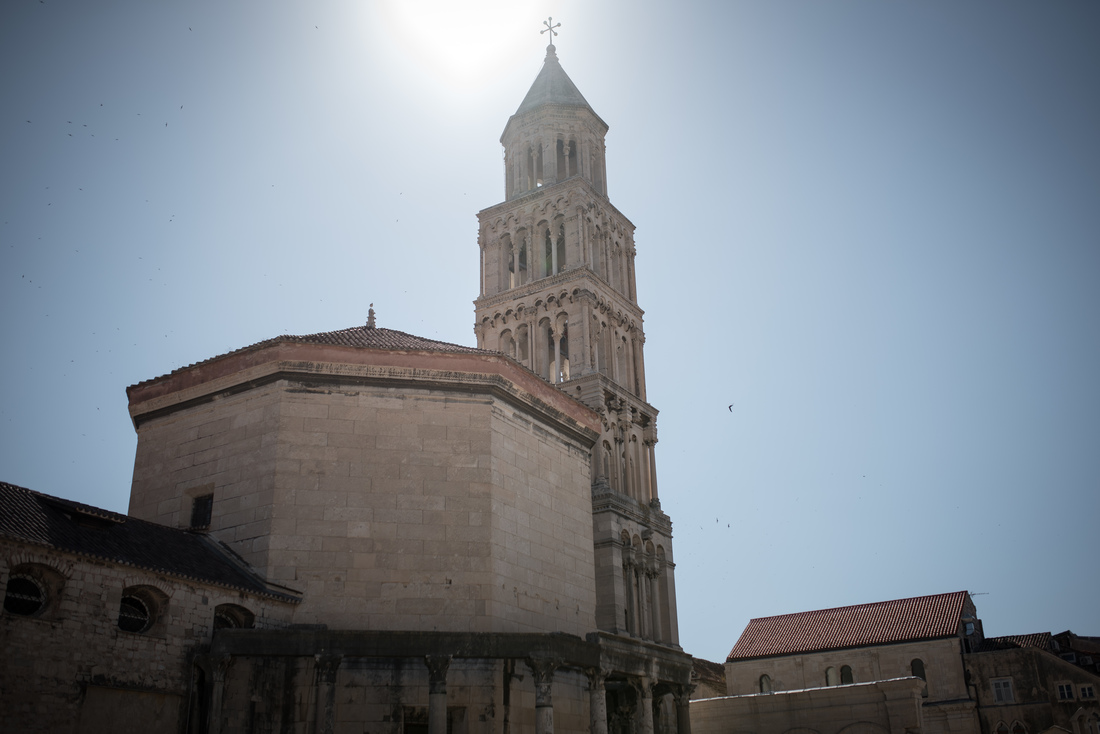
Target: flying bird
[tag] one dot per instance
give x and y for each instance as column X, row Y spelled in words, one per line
column 731, row 407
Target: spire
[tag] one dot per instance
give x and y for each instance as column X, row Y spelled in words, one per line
column 553, row 86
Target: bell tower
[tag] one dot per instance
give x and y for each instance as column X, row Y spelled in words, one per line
column 558, row 295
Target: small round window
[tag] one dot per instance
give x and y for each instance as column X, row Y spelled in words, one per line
column 24, row 596
column 133, row 615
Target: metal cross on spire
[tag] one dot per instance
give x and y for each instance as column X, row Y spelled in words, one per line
column 550, row 26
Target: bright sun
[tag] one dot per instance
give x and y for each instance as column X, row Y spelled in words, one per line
column 461, row 42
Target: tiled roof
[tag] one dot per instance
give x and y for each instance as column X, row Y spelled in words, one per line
column 72, row 527
column 900, row 620
column 362, row 337
column 1013, row 642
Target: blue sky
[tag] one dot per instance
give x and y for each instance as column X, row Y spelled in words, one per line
column 873, row 228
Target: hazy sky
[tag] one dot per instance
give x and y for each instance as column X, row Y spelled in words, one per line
column 873, row 227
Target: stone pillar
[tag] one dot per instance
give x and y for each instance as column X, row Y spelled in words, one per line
column 437, row 692
column 597, row 701
column 325, row 684
column 557, row 355
column 628, row 572
column 683, row 709
column 219, row 667
column 653, row 573
column 543, row 671
column 645, row 712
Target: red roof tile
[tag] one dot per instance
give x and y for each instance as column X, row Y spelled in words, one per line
column 362, row 337
column 1011, row 642
column 900, row 620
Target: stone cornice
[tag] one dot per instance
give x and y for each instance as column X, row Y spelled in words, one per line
column 596, row 287
column 608, row 500
column 325, row 364
column 582, row 186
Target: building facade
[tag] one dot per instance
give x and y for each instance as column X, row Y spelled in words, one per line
column 919, row 664
column 393, row 534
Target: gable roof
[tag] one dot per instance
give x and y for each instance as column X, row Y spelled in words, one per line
column 83, row 530
column 899, row 620
column 362, row 337
column 1041, row 640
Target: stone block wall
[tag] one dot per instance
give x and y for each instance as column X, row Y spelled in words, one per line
column 388, row 507
column 71, row 664
column 886, row 707
column 384, row 695
column 942, row 664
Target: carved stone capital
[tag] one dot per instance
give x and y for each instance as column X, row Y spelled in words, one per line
column 543, row 670
column 326, row 666
column 596, row 678
column 437, row 672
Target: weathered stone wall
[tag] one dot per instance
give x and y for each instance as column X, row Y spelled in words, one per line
column 383, row 695
column 886, row 707
column 72, row 664
column 1034, row 675
column 942, row 664
column 226, row 448
column 389, row 507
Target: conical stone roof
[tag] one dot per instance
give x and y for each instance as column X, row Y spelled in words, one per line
column 553, row 86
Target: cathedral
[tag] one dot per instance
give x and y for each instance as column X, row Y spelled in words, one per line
column 365, row 530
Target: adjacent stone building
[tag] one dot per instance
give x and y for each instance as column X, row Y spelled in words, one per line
column 365, row 530
column 906, row 665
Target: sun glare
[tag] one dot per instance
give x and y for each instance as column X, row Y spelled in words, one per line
column 461, row 42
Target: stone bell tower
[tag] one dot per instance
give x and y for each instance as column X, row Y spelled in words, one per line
column 558, row 295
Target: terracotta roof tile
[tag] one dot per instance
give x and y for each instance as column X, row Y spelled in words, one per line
column 1041, row 640
column 362, row 337
column 72, row 527
column 918, row 618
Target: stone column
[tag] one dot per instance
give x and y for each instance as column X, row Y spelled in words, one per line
column 597, row 701
column 543, row 671
column 325, row 684
column 645, row 712
column 653, row 573
column 219, row 667
column 437, row 692
column 683, row 709
column 628, row 572
column 557, row 355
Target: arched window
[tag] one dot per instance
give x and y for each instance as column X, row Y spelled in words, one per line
column 765, row 683
column 33, row 590
column 846, row 675
column 522, row 343
column 521, row 268
column 140, row 609
column 24, row 596
column 1018, row 728
column 559, row 247
column 134, row 614
column 831, row 678
column 507, row 343
column 1002, row 728
column 916, row 667
column 232, row 616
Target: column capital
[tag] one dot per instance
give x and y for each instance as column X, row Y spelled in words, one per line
column 543, row 670
column 596, row 678
column 437, row 672
column 326, row 666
